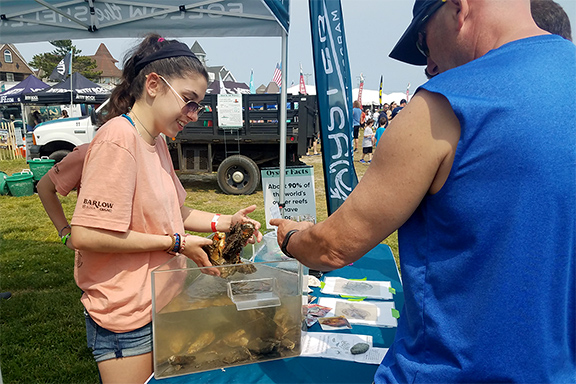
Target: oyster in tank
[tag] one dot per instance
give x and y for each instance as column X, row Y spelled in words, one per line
column 226, row 247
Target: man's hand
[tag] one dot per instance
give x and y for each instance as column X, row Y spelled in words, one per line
column 284, row 226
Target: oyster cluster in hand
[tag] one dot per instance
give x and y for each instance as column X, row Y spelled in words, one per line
column 226, row 247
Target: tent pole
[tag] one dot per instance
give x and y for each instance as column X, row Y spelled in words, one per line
column 24, row 118
column 71, row 85
column 283, row 129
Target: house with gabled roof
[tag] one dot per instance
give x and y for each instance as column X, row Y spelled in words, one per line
column 213, row 71
column 13, row 66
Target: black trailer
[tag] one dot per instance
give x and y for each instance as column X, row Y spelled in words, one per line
column 236, row 154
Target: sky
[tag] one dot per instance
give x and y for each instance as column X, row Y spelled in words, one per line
column 372, row 28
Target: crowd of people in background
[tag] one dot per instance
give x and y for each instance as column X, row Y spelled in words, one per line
column 373, row 121
column 380, row 115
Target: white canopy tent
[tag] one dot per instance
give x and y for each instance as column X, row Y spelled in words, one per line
column 24, row 21
column 369, row 96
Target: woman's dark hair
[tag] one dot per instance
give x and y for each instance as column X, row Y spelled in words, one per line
column 132, row 83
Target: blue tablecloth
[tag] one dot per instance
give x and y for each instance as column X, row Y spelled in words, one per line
column 378, row 264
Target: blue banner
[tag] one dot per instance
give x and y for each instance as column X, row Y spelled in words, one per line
column 334, row 92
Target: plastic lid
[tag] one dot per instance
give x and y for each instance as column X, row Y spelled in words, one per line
column 20, row 176
column 252, row 294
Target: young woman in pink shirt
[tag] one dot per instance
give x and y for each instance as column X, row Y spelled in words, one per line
column 130, row 215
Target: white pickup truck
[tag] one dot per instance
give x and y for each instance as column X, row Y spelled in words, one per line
column 57, row 138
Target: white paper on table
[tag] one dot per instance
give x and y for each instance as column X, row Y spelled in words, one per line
column 358, row 288
column 373, row 356
column 375, row 313
column 313, row 281
column 337, row 346
column 305, row 287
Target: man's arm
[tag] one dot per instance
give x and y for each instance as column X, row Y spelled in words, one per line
column 414, row 157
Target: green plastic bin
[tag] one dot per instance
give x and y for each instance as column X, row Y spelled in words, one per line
column 21, row 184
column 40, row 166
column 3, row 184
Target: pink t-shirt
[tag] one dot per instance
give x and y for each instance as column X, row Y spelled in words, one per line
column 66, row 174
column 127, row 184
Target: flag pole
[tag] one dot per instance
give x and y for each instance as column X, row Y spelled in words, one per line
column 71, row 85
column 407, row 92
column 380, row 92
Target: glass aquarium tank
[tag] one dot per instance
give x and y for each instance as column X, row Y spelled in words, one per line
column 203, row 322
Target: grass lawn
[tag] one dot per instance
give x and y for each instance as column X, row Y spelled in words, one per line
column 42, row 333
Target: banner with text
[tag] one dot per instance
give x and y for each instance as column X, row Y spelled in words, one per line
column 334, row 90
column 299, row 193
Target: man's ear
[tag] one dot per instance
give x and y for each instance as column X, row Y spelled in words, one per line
column 460, row 10
column 152, row 84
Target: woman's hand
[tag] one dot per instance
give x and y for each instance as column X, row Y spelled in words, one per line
column 193, row 250
column 70, row 244
column 242, row 217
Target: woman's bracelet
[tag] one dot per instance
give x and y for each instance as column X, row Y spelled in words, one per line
column 214, row 222
column 65, row 238
column 171, row 247
column 176, row 245
column 183, row 242
column 63, row 228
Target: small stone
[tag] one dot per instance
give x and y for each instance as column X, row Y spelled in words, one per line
column 359, row 348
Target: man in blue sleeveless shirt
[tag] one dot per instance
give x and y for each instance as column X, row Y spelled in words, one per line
column 484, row 197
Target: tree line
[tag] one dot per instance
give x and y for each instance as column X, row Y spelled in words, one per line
column 46, row 62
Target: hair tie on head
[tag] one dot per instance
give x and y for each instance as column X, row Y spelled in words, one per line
column 160, row 39
column 172, row 49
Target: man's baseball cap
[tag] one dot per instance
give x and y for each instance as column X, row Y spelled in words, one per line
column 405, row 49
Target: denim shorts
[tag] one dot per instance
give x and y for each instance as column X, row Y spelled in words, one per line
column 107, row 345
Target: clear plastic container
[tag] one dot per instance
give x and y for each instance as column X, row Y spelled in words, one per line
column 203, row 322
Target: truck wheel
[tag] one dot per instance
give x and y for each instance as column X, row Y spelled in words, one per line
column 238, row 175
column 59, row 155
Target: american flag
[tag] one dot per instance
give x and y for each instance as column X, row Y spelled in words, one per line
column 277, row 78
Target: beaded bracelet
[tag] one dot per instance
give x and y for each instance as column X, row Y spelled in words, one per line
column 183, row 243
column 177, row 243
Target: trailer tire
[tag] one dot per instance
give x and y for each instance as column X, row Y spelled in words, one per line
column 59, row 155
column 238, row 175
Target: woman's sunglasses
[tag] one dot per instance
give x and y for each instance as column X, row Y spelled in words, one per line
column 189, row 106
